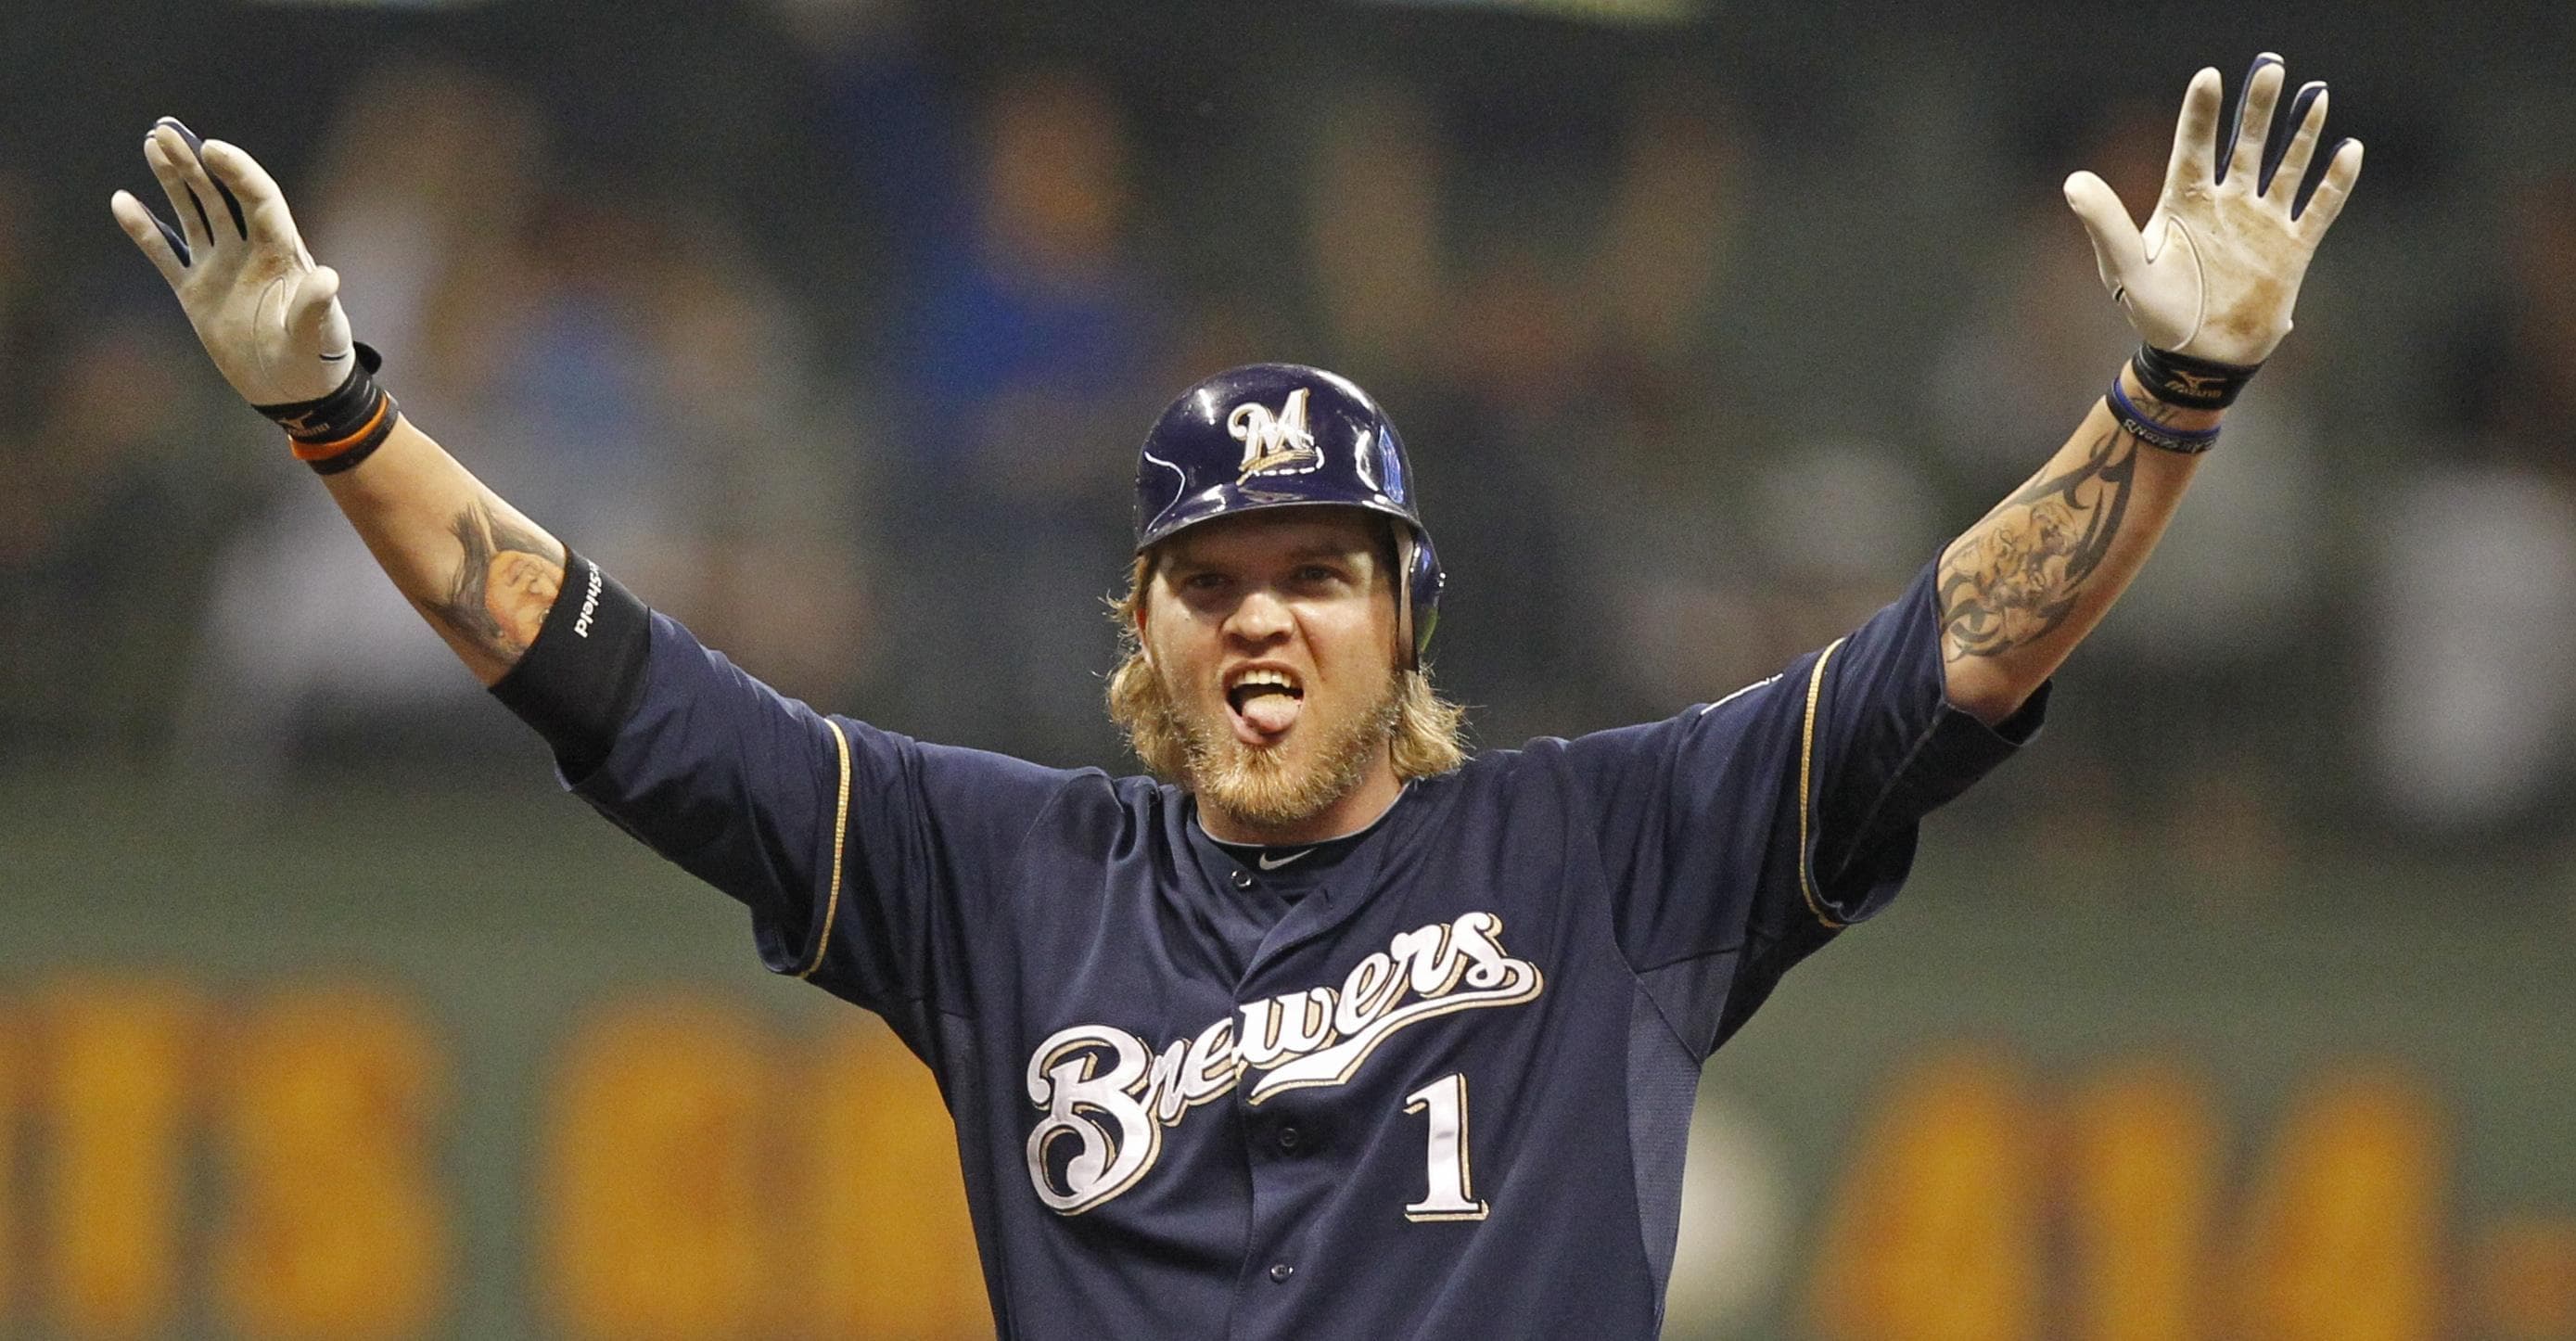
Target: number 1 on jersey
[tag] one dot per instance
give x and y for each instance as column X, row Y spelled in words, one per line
column 1452, row 1192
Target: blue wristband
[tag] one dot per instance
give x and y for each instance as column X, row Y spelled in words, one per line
column 2187, row 441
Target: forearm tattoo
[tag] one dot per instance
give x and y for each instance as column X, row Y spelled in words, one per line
column 2014, row 576
column 508, row 580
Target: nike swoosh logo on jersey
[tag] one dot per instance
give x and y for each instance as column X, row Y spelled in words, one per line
column 1268, row 865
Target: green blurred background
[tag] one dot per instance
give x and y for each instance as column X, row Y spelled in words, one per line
column 2237, row 1008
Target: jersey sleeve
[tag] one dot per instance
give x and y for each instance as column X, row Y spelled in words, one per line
column 859, row 852
column 1741, row 835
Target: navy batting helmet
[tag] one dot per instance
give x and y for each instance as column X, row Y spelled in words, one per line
column 1276, row 435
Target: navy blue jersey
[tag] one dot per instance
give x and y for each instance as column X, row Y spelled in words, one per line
column 1433, row 1080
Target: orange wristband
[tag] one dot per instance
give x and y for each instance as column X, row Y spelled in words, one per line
column 337, row 431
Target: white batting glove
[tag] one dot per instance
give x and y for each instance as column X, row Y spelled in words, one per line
column 267, row 314
column 2214, row 274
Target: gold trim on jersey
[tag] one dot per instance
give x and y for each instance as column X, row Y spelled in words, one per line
column 840, row 839
column 1806, row 792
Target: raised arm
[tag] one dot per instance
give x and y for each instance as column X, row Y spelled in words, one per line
column 478, row 570
column 481, row 573
column 2209, row 285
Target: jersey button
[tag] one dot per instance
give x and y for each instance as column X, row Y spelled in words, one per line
column 1281, row 1271
column 1289, row 1137
column 1242, row 879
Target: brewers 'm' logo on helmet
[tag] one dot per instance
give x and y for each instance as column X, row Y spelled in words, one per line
column 1274, row 444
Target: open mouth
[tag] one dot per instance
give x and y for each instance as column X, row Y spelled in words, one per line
column 1265, row 703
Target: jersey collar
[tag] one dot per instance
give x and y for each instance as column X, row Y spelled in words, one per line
column 1276, row 858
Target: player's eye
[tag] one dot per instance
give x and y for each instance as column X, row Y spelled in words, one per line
column 1315, row 574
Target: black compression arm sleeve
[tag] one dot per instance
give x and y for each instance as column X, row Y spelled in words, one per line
column 579, row 680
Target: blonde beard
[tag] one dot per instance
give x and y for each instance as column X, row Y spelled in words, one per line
column 1260, row 787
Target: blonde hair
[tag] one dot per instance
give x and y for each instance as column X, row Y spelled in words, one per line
column 1428, row 737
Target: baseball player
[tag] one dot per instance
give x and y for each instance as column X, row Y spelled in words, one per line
column 1330, row 1031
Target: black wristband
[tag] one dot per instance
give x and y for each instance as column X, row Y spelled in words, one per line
column 2194, row 383
column 337, row 431
column 579, row 680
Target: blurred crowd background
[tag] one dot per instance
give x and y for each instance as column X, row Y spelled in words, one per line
column 831, row 325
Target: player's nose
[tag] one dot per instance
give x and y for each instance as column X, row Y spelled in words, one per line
column 1259, row 617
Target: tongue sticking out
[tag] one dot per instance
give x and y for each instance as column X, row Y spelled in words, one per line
column 1272, row 711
